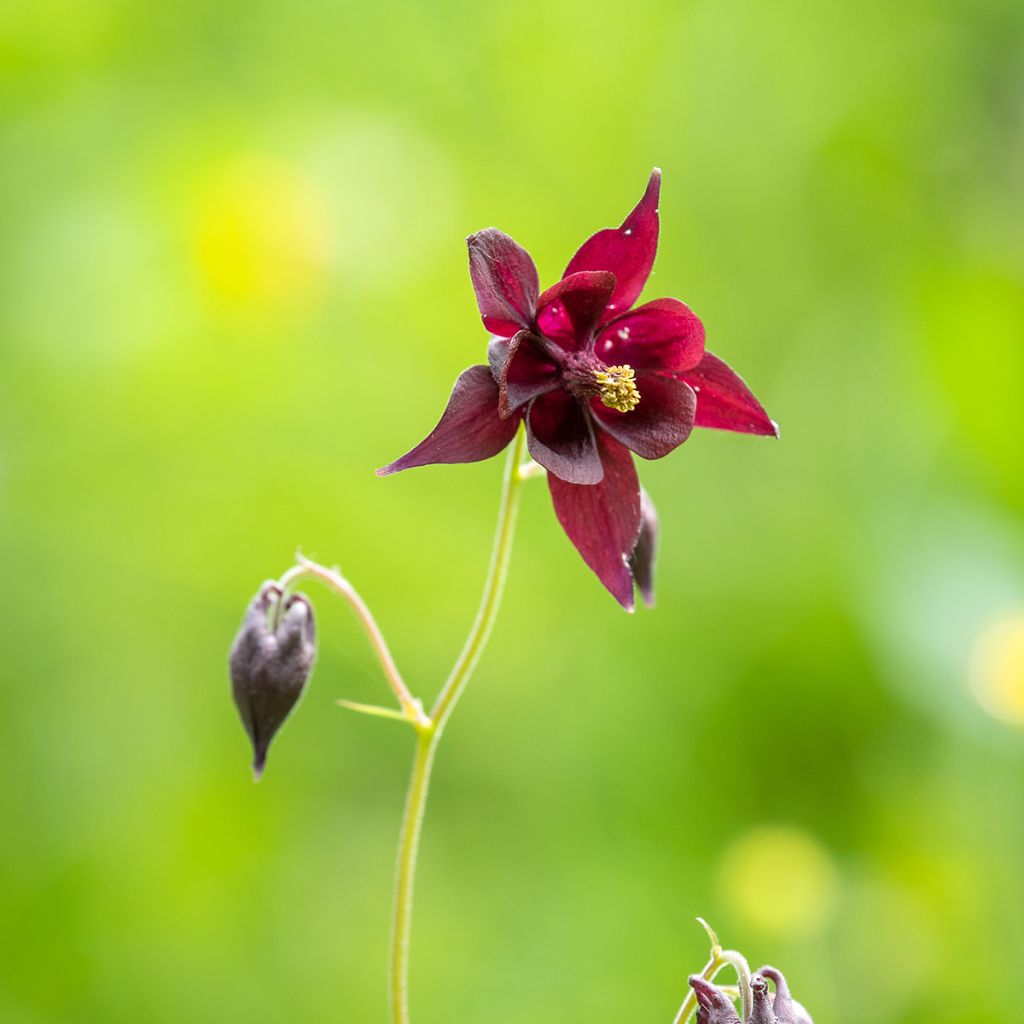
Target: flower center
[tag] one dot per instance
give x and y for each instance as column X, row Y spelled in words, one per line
column 616, row 387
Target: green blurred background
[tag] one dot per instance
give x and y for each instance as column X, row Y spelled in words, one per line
column 234, row 282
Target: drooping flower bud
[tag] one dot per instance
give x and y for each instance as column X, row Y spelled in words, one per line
column 646, row 549
column 270, row 663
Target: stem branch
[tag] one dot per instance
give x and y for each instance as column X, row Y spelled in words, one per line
column 306, row 569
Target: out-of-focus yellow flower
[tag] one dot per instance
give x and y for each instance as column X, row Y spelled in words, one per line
column 997, row 669
column 261, row 237
column 779, row 879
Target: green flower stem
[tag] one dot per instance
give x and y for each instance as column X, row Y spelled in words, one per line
column 429, row 735
column 412, row 709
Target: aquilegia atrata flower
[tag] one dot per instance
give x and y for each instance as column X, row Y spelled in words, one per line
column 592, row 379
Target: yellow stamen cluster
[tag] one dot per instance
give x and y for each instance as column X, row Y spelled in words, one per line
column 617, row 388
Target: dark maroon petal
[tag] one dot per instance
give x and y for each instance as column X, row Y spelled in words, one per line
column 724, row 402
column 664, row 335
column 469, row 430
column 627, row 251
column 505, row 281
column 521, row 371
column 660, row 423
column 603, row 520
column 568, row 311
column 560, row 437
column 641, row 561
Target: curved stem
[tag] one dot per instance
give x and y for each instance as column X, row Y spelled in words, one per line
column 430, row 734
column 411, row 708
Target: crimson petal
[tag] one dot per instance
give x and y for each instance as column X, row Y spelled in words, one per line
column 505, row 281
column 469, row 430
column 664, row 335
column 568, row 312
column 627, row 251
column 603, row 520
column 724, row 402
column 659, row 424
column 521, row 371
column 560, row 437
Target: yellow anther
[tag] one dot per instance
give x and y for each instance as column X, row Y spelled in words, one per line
column 617, row 388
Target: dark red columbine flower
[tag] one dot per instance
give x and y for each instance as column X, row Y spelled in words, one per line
column 592, row 379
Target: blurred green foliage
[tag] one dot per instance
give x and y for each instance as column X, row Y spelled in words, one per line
column 233, row 282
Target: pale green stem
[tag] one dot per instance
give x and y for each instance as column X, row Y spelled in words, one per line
column 429, row 735
column 411, row 708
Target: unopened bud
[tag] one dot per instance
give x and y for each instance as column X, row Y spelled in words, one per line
column 646, row 549
column 270, row 663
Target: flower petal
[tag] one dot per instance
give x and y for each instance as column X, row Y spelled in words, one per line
column 627, row 251
column 505, row 281
column 724, row 402
column 664, row 335
column 560, row 437
column 641, row 561
column 660, row 423
column 568, row 311
column 603, row 520
column 469, row 430
column 521, row 371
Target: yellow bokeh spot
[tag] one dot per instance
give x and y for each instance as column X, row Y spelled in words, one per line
column 779, row 879
column 997, row 669
column 260, row 235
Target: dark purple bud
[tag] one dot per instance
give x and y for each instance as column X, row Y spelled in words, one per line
column 271, row 659
column 787, row 1010
column 641, row 561
column 713, row 1005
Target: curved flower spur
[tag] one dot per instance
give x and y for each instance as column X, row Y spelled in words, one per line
column 593, row 378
